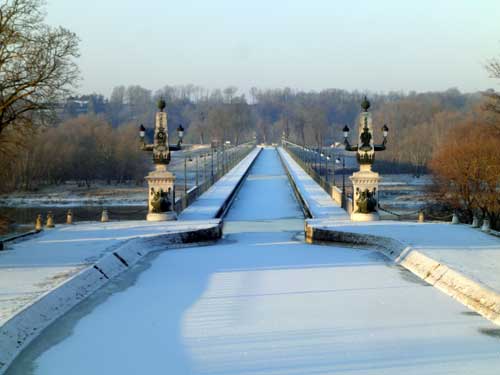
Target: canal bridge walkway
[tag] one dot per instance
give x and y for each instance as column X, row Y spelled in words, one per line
column 262, row 301
column 259, row 301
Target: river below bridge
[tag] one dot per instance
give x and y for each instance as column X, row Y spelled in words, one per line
column 261, row 301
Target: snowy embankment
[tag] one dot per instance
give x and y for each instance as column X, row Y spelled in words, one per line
column 70, row 196
column 217, row 199
column 461, row 261
column 42, row 278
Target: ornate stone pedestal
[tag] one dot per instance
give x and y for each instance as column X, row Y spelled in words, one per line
column 365, row 194
column 160, row 194
column 365, row 182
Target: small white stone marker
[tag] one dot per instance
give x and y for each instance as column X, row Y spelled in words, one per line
column 475, row 222
column 104, row 216
column 486, row 226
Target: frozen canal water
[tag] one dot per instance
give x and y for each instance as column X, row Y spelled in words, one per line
column 262, row 302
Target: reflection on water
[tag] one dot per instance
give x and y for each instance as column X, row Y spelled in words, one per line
column 261, row 226
column 27, row 215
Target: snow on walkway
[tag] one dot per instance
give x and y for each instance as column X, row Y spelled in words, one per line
column 462, row 248
column 210, row 202
column 32, row 267
column 263, row 302
column 320, row 204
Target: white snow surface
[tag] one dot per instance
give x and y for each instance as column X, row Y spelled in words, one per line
column 320, row 204
column 263, row 302
column 32, row 267
column 56, row 200
column 462, row 248
column 210, row 202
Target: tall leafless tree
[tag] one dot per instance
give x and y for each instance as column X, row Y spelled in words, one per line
column 37, row 64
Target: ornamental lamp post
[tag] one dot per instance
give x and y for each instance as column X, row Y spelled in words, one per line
column 365, row 182
column 346, row 133
column 197, row 179
column 337, row 161
column 385, row 132
column 161, row 182
column 180, row 135
column 212, row 164
column 327, row 167
column 322, row 155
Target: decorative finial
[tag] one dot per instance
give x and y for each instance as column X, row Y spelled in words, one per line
column 161, row 104
column 365, row 104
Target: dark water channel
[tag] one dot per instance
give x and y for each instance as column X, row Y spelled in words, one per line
column 23, row 218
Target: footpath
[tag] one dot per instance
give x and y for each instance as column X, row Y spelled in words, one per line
column 214, row 201
column 457, row 259
column 44, row 275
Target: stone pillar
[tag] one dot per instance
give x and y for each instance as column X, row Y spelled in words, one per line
column 365, row 194
column 160, row 194
column 160, row 181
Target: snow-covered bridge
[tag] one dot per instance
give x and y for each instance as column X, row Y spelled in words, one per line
column 262, row 301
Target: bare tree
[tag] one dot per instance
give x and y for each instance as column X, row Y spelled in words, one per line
column 467, row 170
column 493, row 98
column 37, row 67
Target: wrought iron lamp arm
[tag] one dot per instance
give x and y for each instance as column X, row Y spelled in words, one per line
column 176, row 147
column 381, row 147
column 348, row 146
column 147, row 147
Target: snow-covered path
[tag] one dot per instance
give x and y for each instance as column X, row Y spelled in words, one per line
column 263, row 302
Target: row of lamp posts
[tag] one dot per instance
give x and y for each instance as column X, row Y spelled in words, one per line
column 365, row 181
column 313, row 161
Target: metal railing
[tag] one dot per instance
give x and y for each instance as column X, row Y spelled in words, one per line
column 201, row 169
column 316, row 162
column 208, row 169
column 320, row 165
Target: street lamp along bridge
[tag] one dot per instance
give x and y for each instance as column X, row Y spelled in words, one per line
column 365, row 182
column 161, row 182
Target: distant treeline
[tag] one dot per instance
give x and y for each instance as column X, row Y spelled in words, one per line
column 417, row 121
column 96, row 137
column 85, row 149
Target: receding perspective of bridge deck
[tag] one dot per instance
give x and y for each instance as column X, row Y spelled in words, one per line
column 261, row 301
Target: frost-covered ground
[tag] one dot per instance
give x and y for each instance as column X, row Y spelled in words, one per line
column 263, row 302
column 72, row 195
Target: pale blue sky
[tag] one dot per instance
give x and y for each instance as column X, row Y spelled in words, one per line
column 360, row 44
